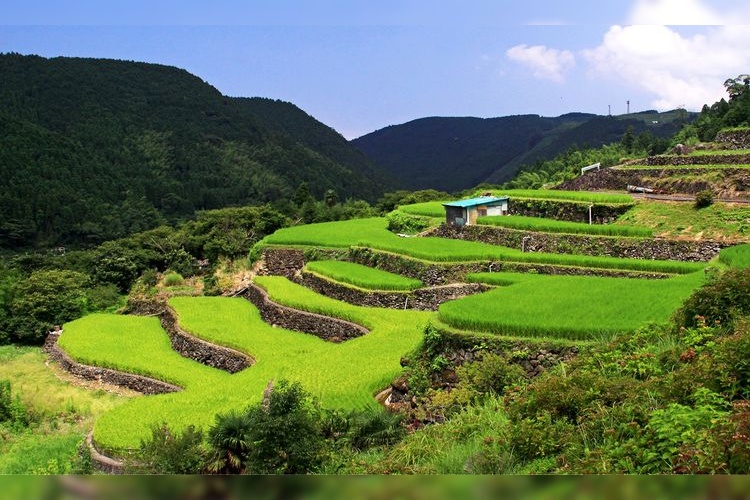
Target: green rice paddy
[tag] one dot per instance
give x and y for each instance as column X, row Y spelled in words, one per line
column 737, row 256
column 362, row 276
column 571, row 307
column 426, row 209
column 557, row 226
column 372, row 233
column 345, row 375
column 573, row 196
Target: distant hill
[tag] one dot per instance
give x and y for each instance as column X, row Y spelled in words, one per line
column 93, row 149
column 452, row 154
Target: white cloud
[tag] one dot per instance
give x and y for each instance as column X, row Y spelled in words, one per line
column 674, row 12
column 676, row 69
column 547, row 63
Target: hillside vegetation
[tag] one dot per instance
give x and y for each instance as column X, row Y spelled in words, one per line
column 95, row 149
column 453, row 154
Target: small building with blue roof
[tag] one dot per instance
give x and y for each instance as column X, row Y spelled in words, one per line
column 465, row 212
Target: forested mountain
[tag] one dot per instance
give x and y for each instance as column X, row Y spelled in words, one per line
column 94, row 149
column 457, row 153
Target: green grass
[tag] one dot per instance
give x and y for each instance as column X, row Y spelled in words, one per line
column 63, row 414
column 737, row 256
column 332, row 234
column 556, row 226
column 574, row 196
column 444, row 448
column 342, row 375
column 436, row 209
column 362, row 276
column 371, row 233
column 674, row 219
column 426, row 209
column 570, row 307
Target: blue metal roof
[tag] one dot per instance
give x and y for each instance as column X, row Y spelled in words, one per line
column 484, row 200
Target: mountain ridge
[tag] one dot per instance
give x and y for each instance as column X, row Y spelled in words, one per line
column 455, row 153
column 139, row 144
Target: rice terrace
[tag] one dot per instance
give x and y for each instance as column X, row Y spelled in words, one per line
column 238, row 289
column 548, row 298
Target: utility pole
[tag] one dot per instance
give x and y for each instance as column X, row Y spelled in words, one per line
column 609, row 109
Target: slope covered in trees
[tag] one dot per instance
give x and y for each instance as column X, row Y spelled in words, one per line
column 457, row 153
column 94, row 149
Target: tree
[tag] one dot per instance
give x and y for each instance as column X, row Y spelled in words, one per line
column 229, row 440
column 280, row 435
column 628, row 140
column 46, row 299
column 330, row 198
column 302, row 194
column 168, row 452
column 737, row 87
column 285, row 432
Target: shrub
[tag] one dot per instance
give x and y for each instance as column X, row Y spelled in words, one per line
column 284, row 432
column 719, row 302
column 374, row 427
column 12, row 411
column 400, row 222
column 173, row 279
column 280, row 435
column 103, row 297
column 704, row 199
column 170, row 453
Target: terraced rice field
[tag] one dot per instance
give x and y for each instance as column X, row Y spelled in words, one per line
column 342, row 375
column 737, row 256
column 436, row 209
column 372, row 233
column 347, row 375
column 362, row 276
column 571, row 307
column 557, row 226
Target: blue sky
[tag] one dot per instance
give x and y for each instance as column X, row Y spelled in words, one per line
column 360, row 66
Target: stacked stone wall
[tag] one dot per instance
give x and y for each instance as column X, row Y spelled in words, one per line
column 139, row 383
column 571, row 211
column 201, row 351
column 325, row 327
column 424, row 299
column 735, row 139
column 434, row 274
column 634, row 248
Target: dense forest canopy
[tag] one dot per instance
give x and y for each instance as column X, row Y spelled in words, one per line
column 95, row 149
column 453, row 154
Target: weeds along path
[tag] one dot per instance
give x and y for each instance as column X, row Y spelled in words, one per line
column 343, row 375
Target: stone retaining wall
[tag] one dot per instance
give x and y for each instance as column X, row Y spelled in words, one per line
column 707, row 159
column 101, row 462
column 283, row 261
column 636, row 248
column 734, row 139
column 424, row 299
column 572, row 211
column 325, row 327
column 201, row 351
column 433, row 274
column 734, row 181
column 144, row 385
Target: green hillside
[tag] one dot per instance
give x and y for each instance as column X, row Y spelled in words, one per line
column 453, row 154
column 94, row 149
